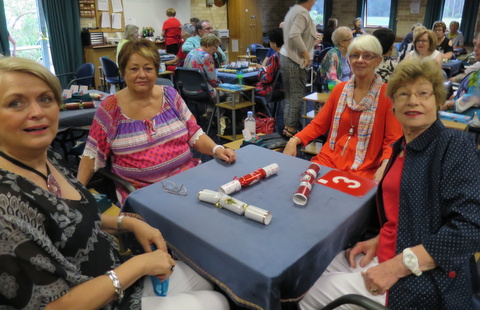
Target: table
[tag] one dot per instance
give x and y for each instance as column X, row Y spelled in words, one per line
column 247, row 57
column 319, row 99
column 452, row 67
column 80, row 117
column 249, row 78
column 233, row 106
column 258, row 266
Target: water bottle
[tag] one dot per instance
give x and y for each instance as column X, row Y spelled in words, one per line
column 249, row 123
column 248, row 51
column 240, row 76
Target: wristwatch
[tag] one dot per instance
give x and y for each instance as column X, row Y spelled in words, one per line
column 410, row 261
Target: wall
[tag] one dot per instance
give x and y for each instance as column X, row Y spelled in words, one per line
column 216, row 15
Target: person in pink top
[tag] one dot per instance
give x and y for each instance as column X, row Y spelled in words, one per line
column 172, row 32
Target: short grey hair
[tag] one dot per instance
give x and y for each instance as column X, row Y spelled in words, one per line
column 366, row 43
column 129, row 31
column 188, row 29
column 340, row 34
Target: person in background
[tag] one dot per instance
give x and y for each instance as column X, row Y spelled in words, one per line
column 332, row 24
column 467, row 100
column 130, row 34
column 406, row 46
column 268, row 72
column 194, row 41
column 195, row 21
column 357, row 29
column 357, row 116
column 454, row 35
column 299, row 36
column 335, row 66
column 444, row 44
column 57, row 250
column 386, row 37
column 428, row 205
column 145, row 130
column 187, row 32
column 171, row 32
column 204, row 28
column 202, row 58
column 424, row 43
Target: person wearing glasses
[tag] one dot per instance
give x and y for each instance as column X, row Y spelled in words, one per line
column 57, row 250
column 467, row 99
column 204, row 27
column 428, row 205
column 335, row 66
column 444, row 44
column 424, row 42
column 357, row 116
column 145, row 130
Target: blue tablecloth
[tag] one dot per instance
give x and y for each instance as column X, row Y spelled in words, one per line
column 80, row 117
column 249, row 78
column 452, row 67
column 258, row 266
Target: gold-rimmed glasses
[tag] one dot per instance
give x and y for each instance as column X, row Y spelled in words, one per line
column 172, row 188
column 365, row 57
column 422, row 95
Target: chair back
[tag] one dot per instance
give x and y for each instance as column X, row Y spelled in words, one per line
column 164, row 81
column 85, row 75
column 254, row 47
column 192, row 85
column 261, row 54
column 110, row 68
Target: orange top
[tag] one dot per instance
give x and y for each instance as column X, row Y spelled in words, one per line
column 386, row 130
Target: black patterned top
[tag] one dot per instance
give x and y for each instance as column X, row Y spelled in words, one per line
column 49, row 245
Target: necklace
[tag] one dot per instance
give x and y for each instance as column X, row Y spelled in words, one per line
column 52, row 183
column 351, row 132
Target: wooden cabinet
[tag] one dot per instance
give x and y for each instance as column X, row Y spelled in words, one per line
column 93, row 54
column 244, row 25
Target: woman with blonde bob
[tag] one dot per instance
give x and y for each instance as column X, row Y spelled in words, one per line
column 428, row 205
column 131, row 34
column 425, row 42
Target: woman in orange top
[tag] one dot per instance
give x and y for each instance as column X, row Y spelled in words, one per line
column 357, row 116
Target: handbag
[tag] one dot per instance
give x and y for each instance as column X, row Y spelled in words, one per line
column 264, row 123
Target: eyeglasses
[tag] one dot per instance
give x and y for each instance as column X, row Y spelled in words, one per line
column 422, row 95
column 172, row 188
column 365, row 57
column 208, row 28
column 423, row 41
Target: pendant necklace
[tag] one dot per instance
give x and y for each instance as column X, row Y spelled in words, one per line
column 351, row 132
column 52, row 183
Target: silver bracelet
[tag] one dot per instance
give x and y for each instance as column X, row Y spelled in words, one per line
column 116, row 283
column 119, row 223
column 214, row 150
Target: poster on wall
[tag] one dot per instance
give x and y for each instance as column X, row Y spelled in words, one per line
column 117, row 6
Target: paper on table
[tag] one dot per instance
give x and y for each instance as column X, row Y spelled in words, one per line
column 105, row 20
column 116, row 20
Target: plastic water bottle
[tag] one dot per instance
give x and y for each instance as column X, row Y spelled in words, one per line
column 113, row 90
column 249, row 123
column 248, row 51
column 240, row 76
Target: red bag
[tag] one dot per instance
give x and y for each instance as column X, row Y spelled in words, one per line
column 264, row 123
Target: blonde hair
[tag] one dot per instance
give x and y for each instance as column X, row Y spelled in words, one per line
column 432, row 37
column 143, row 47
column 210, row 39
column 410, row 70
column 130, row 31
column 23, row 65
column 171, row 12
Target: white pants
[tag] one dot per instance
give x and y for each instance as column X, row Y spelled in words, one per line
column 339, row 279
column 186, row 290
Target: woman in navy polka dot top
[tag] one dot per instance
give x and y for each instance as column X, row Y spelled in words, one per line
column 429, row 209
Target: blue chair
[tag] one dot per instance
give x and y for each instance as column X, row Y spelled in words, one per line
column 164, row 81
column 84, row 75
column 277, row 95
column 261, row 53
column 111, row 73
column 254, row 47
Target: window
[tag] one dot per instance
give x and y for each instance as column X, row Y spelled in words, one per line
column 317, row 12
column 377, row 13
column 28, row 30
column 452, row 10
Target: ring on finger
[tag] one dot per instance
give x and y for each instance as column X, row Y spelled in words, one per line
column 373, row 291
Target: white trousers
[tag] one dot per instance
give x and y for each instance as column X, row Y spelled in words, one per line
column 186, row 290
column 339, row 279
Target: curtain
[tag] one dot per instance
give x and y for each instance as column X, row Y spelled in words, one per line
column 433, row 12
column 360, row 9
column 392, row 24
column 469, row 19
column 327, row 12
column 63, row 23
column 4, row 44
